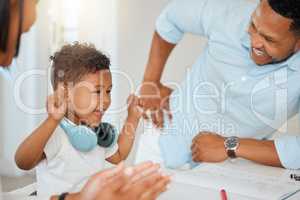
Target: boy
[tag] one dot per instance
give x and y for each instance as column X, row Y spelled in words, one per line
column 82, row 83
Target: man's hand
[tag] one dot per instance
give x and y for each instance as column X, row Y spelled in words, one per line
column 208, row 147
column 142, row 182
column 155, row 98
column 57, row 103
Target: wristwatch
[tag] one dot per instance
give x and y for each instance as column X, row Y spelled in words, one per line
column 231, row 144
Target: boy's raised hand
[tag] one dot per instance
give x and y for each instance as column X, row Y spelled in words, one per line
column 134, row 110
column 57, row 103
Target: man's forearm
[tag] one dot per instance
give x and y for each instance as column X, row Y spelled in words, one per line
column 159, row 54
column 260, row 151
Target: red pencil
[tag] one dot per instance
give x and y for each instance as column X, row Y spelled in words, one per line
column 223, row 194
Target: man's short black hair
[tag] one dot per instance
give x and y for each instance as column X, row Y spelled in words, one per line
column 4, row 23
column 289, row 9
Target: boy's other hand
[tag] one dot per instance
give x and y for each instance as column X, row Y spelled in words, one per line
column 57, row 103
column 134, row 110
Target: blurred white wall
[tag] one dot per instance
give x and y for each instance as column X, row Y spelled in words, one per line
column 58, row 22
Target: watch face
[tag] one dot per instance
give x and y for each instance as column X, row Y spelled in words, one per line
column 231, row 142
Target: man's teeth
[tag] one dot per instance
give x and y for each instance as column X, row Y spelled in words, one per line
column 257, row 52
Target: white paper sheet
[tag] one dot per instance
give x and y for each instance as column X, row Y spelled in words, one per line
column 180, row 191
column 241, row 177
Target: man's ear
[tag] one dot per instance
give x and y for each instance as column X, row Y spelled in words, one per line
column 297, row 47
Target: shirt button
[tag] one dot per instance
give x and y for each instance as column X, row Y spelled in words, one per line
column 244, row 78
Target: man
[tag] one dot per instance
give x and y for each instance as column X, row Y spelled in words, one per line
column 244, row 85
column 141, row 182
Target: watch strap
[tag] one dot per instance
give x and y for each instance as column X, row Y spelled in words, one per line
column 63, row 196
column 231, row 153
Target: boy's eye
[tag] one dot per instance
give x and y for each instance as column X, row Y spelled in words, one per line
column 108, row 91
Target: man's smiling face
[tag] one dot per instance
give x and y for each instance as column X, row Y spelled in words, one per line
column 272, row 40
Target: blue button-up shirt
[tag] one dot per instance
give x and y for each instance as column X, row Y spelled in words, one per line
column 225, row 91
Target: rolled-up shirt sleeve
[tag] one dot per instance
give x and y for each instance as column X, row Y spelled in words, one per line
column 188, row 16
column 288, row 149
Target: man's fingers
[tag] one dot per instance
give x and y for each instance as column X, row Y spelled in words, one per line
column 166, row 108
column 157, row 117
column 156, row 108
column 194, row 146
column 160, row 118
column 141, row 102
column 170, row 116
column 194, row 152
column 194, row 149
column 153, row 117
column 151, row 103
column 196, row 138
column 145, row 116
column 195, row 157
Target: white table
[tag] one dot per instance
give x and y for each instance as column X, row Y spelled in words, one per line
column 205, row 182
column 180, row 191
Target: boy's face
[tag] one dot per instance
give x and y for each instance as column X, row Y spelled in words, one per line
column 91, row 97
